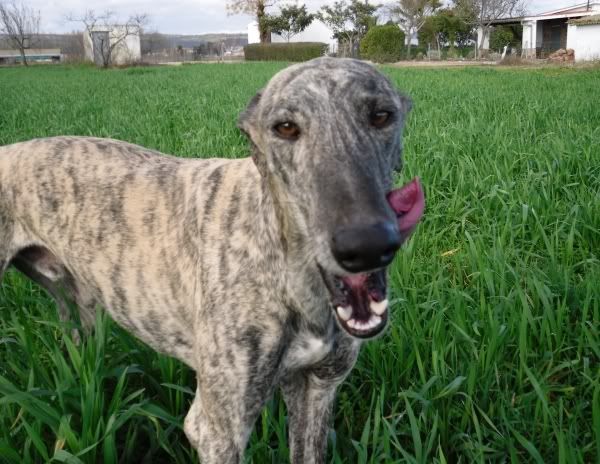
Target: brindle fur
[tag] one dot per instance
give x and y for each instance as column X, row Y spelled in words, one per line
column 214, row 261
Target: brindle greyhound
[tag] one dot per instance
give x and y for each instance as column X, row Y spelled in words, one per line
column 258, row 273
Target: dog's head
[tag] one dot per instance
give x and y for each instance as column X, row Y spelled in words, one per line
column 327, row 135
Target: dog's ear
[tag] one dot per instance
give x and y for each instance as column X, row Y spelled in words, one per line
column 246, row 123
column 406, row 103
column 248, row 116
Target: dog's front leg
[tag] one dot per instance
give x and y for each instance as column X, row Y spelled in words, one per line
column 233, row 384
column 309, row 395
column 218, row 432
column 309, row 402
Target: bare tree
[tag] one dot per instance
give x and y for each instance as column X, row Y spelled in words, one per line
column 21, row 24
column 105, row 35
column 256, row 8
column 482, row 13
column 411, row 15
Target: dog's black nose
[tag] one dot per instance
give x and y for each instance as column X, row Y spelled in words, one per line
column 362, row 248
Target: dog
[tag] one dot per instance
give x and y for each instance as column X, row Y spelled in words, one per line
column 259, row 273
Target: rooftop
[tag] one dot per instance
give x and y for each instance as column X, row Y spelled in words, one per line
column 580, row 10
column 586, row 21
column 573, row 9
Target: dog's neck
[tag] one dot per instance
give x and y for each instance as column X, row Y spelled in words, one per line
column 295, row 271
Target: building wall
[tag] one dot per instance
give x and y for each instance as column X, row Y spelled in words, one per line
column 529, row 39
column 571, row 36
column 253, row 33
column 585, row 40
column 128, row 51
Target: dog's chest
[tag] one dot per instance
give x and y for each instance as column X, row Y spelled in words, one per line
column 307, row 349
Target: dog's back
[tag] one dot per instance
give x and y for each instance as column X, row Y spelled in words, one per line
column 84, row 214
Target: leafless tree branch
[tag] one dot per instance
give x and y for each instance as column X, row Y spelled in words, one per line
column 21, row 24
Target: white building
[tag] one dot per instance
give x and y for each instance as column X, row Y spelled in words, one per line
column 315, row 32
column 253, row 33
column 124, row 41
column 576, row 27
column 550, row 31
column 583, row 36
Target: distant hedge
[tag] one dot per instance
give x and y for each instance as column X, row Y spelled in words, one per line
column 296, row 51
column 383, row 44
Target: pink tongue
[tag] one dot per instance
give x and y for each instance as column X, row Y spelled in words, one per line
column 408, row 202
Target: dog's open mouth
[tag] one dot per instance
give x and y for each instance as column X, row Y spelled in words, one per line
column 360, row 300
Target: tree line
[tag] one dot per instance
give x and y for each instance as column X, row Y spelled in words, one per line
column 434, row 23
column 440, row 25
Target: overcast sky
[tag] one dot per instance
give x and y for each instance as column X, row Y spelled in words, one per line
column 184, row 16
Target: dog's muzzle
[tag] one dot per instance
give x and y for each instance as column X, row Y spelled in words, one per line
column 360, row 299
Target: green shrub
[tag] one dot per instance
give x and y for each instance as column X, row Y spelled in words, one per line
column 452, row 54
column 416, row 51
column 296, row 51
column 501, row 36
column 383, row 44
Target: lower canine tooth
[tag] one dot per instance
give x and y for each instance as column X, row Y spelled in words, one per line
column 374, row 321
column 344, row 312
column 379, row 307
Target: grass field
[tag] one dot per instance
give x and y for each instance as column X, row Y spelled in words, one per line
column 494, row 349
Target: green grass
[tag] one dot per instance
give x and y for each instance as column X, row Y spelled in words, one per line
column 494, row 349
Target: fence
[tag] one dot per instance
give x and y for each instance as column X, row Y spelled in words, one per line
column 189, row 56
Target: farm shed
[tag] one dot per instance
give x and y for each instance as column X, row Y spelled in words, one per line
column 98, row 39
column 547, row 32
column 45, row 55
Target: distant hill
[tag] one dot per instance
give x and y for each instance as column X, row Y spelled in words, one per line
column 66, row 41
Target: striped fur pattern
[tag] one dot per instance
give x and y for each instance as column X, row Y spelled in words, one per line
column 214, row 261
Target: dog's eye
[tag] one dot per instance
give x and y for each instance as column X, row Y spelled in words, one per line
column 381, row 119
column 287, row 130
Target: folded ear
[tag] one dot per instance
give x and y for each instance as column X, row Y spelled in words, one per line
column 247, row 117
column 406, row 105
column 406, row 102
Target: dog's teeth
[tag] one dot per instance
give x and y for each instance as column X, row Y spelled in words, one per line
column 379, row 307
column 344, row 312
column 373, row 322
